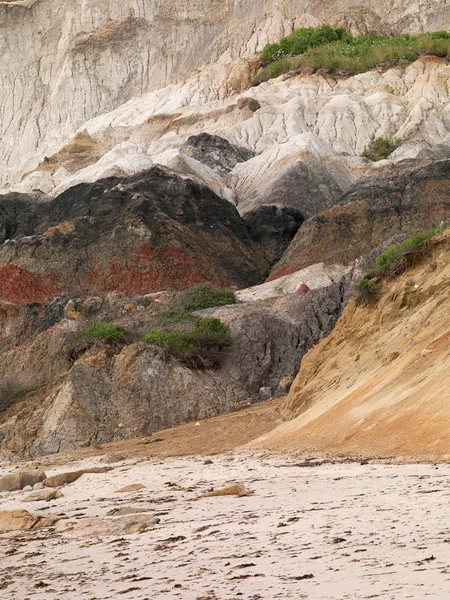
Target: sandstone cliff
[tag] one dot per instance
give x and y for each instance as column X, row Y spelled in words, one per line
column 138, row 160
column 64, row 64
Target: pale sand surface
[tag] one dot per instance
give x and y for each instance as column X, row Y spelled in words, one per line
column 362, row 531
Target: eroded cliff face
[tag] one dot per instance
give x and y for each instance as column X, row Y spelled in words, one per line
column 378, row 385
column 138, row 160
column 63, row 64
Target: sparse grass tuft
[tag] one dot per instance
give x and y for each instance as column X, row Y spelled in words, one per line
column 204, row 296
column 396, row 251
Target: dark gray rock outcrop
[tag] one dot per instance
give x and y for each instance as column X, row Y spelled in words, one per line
column 216, row 152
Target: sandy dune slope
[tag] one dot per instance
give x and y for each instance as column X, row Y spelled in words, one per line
column 378, row 384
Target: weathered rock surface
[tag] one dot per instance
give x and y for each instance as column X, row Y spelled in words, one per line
column 98, row 57
column 273, row 227
column 314, row 277
column 21, row 479
column 133, row 487
column 151, row 232
column 216, row 152
column 369, row 214
column 44, row 495
column 95, row 527
column 16, row 520
column 65, row 478
column 307, row 134
column 111, row 393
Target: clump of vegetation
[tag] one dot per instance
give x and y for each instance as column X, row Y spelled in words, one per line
column 11, row 393
column 104, row 332
column 96, row 331
column 302, row 40
column 381, row 149
column 171, row 315
column 396, row 251
column 204, row 296
column 200, row 347
column 367, row 291
column 335, row 50
column 394, row 261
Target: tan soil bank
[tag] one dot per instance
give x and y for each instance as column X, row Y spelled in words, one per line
column 378, row 385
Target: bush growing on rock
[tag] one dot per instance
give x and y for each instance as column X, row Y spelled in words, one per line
column 367, row 291
column 200, row 347
column 106, row 332
column 337, row 50
column 97, row 331
column 205, row 296
column 381, row 149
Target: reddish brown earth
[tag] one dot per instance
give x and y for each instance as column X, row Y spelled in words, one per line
column 155, row 231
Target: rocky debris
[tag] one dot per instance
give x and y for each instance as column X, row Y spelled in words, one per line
column 134, row 487
column 70, row 477
column 370, row 213
column 44, row 495
column 216, row 152
column 147, row 233
column 126, row 510
column 21, row 479
column 17, row 520
column 134, row 389
column 235, row 489
column 96, row 527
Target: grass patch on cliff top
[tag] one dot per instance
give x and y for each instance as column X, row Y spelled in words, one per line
column 396, row 260
column 336, row 50
column 200, row 347
column 391, row 255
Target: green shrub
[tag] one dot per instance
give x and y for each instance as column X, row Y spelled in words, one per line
column 201, row 347
column 394, row 252
column 336, row 50
column 204, row 296
column 381, row 149
column 171, row 315
column 106, row 332
column 367, row 291
column 11, row 393
column 301, row 40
